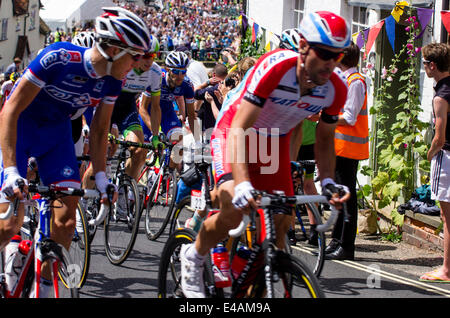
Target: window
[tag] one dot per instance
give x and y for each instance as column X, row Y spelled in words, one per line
column 359, row 19
column 299, row 11
column 32, row 19
column 4, row 30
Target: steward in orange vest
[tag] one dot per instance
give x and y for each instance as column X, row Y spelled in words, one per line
column 353, row 141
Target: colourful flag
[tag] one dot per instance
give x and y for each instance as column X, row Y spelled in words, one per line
column 398, row 9
column 373, row 34
column 269, row 36
column 424, row 15
column 445, row 15
column 390, row 31
column 255, row 32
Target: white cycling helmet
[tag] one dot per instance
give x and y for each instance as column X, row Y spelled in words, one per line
column 122, row 28
column 177, row 59
column 84, row 39
column 154, row 44
column 290, row 39
column 327, row 28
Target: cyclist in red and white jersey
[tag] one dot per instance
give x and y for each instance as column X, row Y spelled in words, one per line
column 251, row 140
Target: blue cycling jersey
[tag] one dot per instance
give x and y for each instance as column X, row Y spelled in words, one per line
column 169, row 118
column 169, row 95
column 68, row 82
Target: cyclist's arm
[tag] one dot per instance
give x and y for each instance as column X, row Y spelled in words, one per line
column 20, row 99
column 181, row 107
column 296, row 141
column 244, row 119
column 98, row 138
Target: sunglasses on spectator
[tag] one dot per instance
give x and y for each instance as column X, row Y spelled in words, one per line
column 178, row 71
column 327, row 55
column 425, row 61
column 149, row 55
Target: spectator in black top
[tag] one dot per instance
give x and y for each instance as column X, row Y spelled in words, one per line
column 436, row 62
column 206, row 113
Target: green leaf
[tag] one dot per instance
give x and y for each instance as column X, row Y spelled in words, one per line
column 366, row 190
column 380, row 181
column 397, row 218
column 393, row 189
column 402, row 96
column 384, row 202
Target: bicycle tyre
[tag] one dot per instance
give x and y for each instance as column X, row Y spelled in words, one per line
column 314, row 255
column 169, row 272
column 182, row 212
column 295, row 277
column 122, row 226
column 158, row 211
column 80, row 247
column 91, row 208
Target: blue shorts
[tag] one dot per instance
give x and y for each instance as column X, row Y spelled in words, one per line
column 52, row 146
column 169, row 123
column 183, row 190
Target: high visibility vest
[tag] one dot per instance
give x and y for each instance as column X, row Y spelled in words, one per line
column 353, row 141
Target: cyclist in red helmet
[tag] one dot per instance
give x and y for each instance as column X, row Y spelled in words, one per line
column 282, row 89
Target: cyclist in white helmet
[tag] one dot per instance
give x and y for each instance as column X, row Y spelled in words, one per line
column 35, row 120
column 175, row 86
column 143, row 79
column 84, row 39
column 282, row 89
column 290, row 39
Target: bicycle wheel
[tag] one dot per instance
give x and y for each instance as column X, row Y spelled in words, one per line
column 79, row 250
column 169, row 274
column 122, row 224
column 294, row 279
column 312, row 255
column 160, row 208
column 183, row 211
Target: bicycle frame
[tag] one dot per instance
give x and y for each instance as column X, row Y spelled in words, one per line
column 43, row 247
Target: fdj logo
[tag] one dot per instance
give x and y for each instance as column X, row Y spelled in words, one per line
column 60, row 56
column 67, row 172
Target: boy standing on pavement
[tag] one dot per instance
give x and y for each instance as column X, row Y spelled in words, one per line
column 436, row 62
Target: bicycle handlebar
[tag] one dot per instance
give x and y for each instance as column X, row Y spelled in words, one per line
column 269, row 199
column 65, row 191
column 126, row 143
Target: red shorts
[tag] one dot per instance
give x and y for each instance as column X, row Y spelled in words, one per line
column 268, row 160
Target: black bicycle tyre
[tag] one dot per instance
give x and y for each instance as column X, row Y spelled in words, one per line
column 319, row 251
column 84, row 236
column 157, row 229
column 298, row 273
column 174, row 243
column 128, row 183
column 184, row 203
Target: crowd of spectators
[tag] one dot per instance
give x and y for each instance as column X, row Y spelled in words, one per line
column 205, row 27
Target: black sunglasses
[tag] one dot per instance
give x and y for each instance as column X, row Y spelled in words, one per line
column 327, row 55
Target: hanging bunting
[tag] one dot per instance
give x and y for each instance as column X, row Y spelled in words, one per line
column 373, row 34
column 361, row 38
column 255, row 30
column 269, row 36
column 445, row 15
column 424, row 15
column 390, row 31
column 398, row 9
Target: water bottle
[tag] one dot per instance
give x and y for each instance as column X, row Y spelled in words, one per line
column 13, row 262
column 239, row 261
column 221, row 268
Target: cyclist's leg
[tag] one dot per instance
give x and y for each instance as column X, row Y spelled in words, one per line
column 136, row 161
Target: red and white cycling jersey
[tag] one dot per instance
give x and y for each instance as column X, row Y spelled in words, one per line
column 273, row 85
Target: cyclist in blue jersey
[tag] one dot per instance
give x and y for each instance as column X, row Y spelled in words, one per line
column 35, row 120
column 174, row 87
